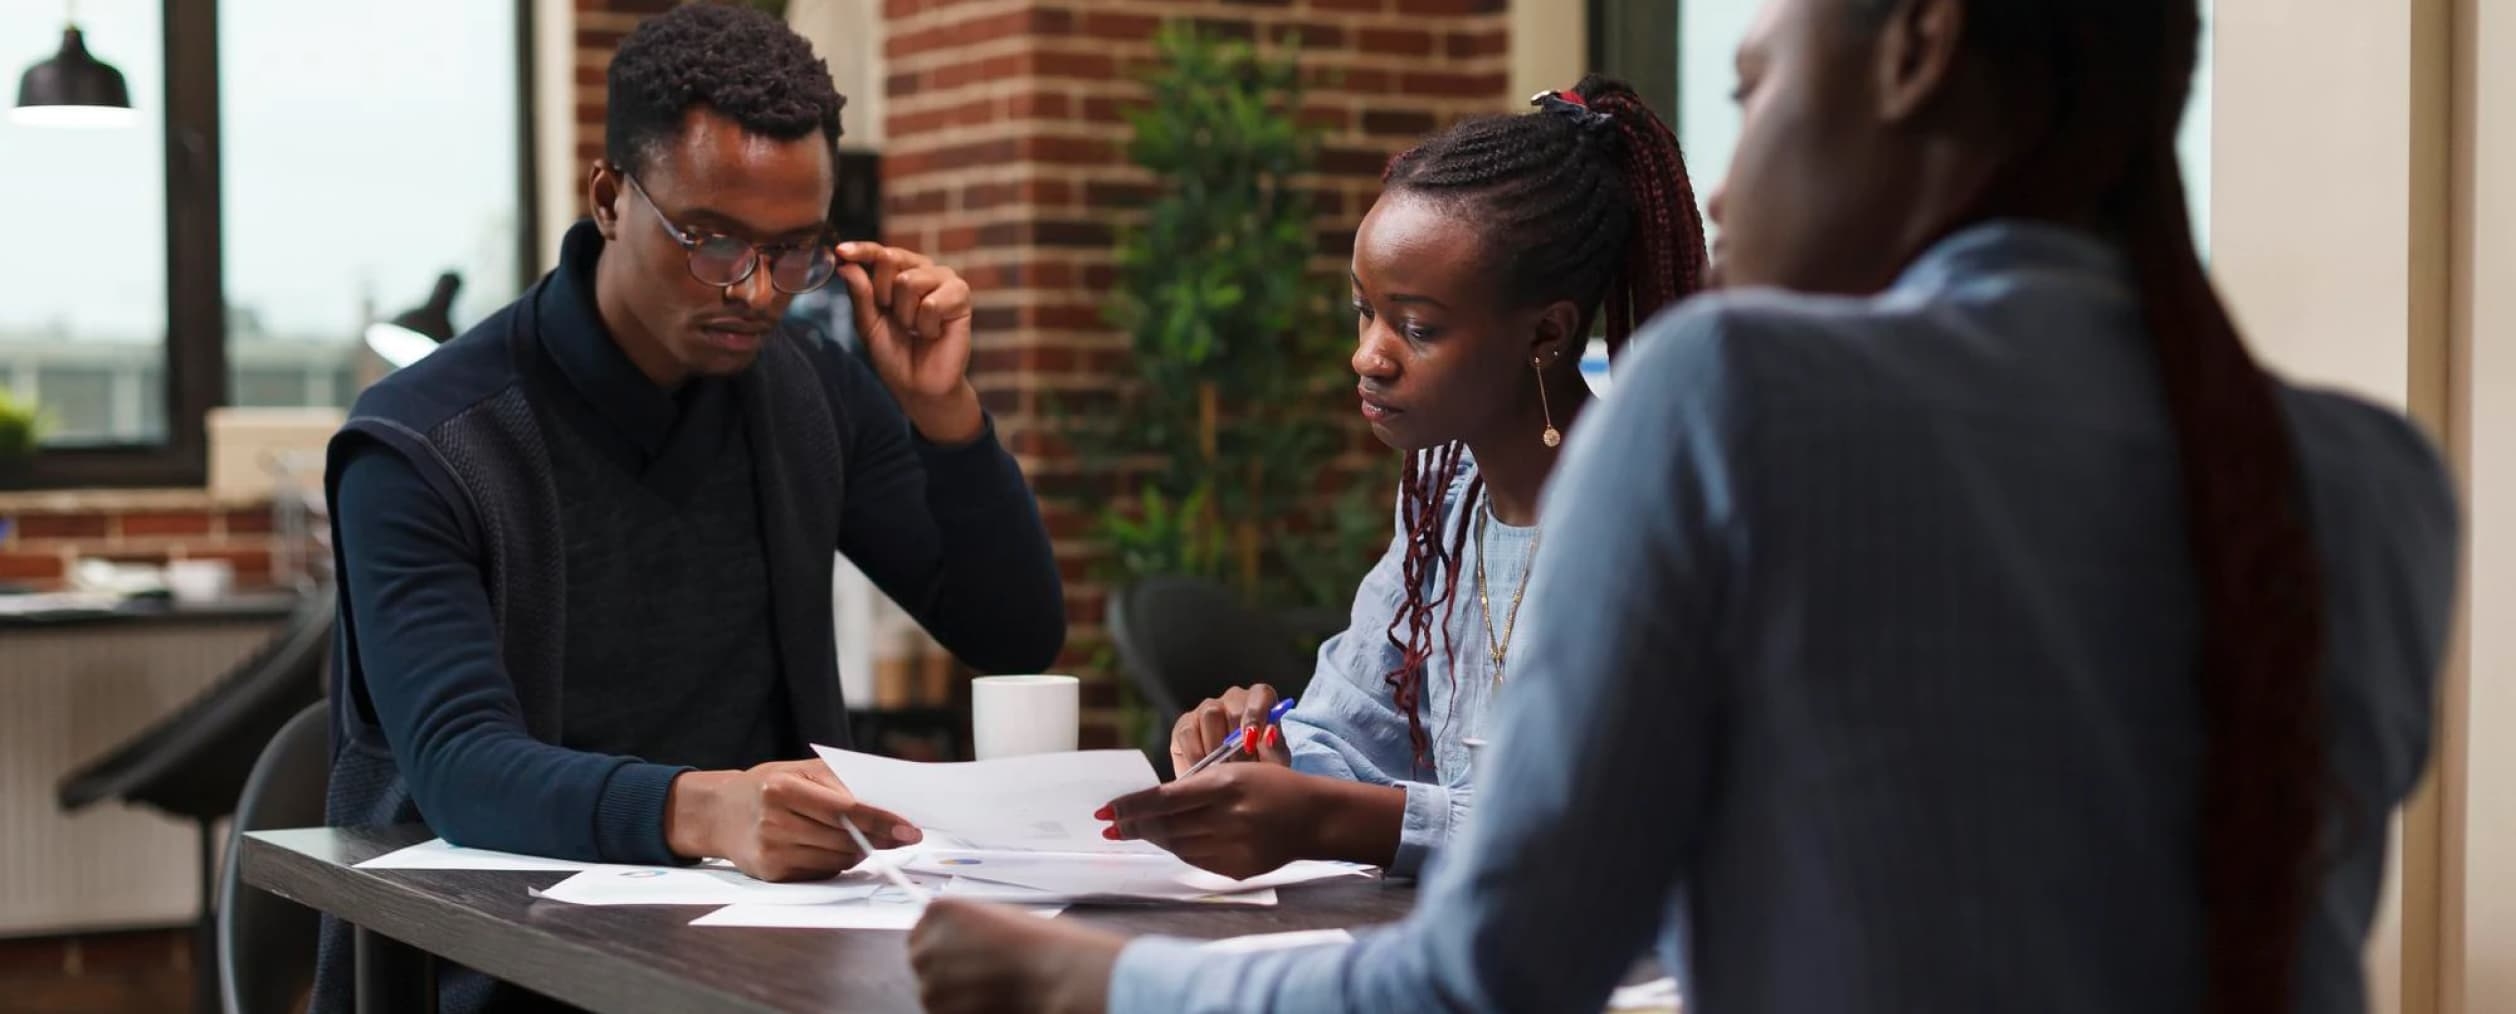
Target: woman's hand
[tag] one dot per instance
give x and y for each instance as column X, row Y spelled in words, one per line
column 1207, row 725
column 1239, row 820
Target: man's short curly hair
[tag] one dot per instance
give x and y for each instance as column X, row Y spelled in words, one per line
column 740, row 62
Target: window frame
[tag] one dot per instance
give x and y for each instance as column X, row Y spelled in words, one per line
column 195, row 379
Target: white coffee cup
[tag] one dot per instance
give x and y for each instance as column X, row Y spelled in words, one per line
column 196, row 581
column 1015, row 715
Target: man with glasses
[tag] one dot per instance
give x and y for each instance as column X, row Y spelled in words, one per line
column 586, row 548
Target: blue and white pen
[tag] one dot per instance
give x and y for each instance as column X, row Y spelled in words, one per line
column 1232, row 743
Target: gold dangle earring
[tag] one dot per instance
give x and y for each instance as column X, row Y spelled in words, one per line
column 1552, row 436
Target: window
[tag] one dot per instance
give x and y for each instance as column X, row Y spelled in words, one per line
column 87, row 301
column 366, row 148
column 83, row 403
column 298, row 169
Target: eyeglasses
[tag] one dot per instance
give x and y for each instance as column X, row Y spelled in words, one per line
column 726, row 261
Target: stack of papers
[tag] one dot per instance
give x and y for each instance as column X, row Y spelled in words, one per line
column 1025, row 824
column 71, row 603
column 1043, row 882
column 635, row 885
column 1017, row 831
column 884, row 907
column 1279, row 941
column 1083, row 877
column 1038, row 803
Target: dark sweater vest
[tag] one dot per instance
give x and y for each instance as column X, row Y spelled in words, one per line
column 681, row 669
column 465, row 419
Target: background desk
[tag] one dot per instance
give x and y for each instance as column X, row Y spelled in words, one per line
column 71, row 688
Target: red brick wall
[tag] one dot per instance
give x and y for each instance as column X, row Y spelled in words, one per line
column 601, row 24
column 48, row 533
column 1005, row 157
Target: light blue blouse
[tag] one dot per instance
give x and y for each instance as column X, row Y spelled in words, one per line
column 1347, row 724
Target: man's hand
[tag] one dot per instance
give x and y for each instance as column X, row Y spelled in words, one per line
column 1205, row 726
column 777, row 821
column 986, row 959
column 914, row 317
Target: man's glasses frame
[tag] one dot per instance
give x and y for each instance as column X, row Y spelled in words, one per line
column 726, row 261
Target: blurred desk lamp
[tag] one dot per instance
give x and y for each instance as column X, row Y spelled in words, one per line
column 73, row 89
column 408, row 338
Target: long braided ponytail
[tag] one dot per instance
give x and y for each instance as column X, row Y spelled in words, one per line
column 2114, row 76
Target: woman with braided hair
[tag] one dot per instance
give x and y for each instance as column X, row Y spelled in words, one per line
column 1965, row 623
column 1477, row 277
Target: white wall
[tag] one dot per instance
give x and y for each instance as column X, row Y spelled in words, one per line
column 555, row 123
column 2366, row 229
column 2314, row 182
column 2313, row 227
column 1550, row 45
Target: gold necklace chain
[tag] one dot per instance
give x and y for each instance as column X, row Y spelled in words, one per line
column 1497, row 647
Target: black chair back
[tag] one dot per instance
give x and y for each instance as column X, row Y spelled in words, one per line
column 266, row 944
column 193, row 762
column 1182, row 640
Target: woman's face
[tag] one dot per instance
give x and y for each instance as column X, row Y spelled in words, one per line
column 1823, row 179
column 1440, row 354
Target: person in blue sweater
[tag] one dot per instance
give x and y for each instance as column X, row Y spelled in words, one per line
column 1965, row 622
column 585, row 550
column 1495, row 247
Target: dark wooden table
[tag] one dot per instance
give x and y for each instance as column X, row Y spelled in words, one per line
column 640, row 958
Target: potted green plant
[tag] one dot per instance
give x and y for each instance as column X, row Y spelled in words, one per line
column 1219, row 453
column 21, row 428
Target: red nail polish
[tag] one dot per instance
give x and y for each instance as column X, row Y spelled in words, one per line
column 1271, row 735
column 1249, row 740
column 1104, row 814
column 1110, row 833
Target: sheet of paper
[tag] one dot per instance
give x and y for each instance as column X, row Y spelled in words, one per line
column 1299, row 871
column 437, row 854
column 1013, row 894
column 980, row 890
column 47, row 603
column 885, row 908
column 1658, row 994
column 859, row 915
column 1281, row 941
column 1040, row 802
column 1153, row 877
column 632, row 885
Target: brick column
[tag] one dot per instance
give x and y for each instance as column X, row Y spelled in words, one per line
column 1005, row 156
column 600, row 27
column 47, row 533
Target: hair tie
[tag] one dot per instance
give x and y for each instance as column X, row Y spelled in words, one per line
column 1570, row 103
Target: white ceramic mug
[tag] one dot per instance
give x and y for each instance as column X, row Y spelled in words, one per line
column 196, row 581
column 1015, row 715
